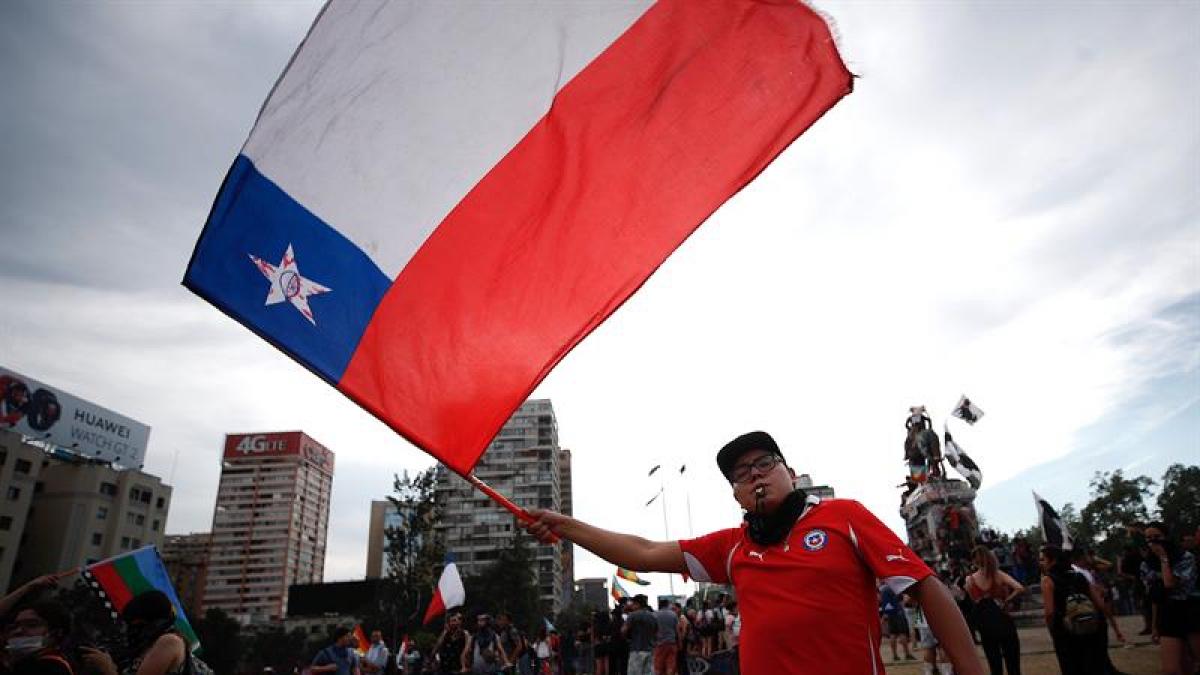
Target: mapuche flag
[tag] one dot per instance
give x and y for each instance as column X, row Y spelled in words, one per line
column 439, row 200
column 118, row 580
column 618, row 591
column 448, row 593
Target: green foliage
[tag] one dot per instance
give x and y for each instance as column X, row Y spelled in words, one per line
column 1179, row 501
column 276, row 649
column 509, row 584
column 414, row 557
column 1116, row 501
column 220, row 640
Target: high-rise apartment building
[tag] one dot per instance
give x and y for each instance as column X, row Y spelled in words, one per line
column 567, row 507
column 384, row 516
column 525, row 463
column 186, row 558
column 60, row 510
column 269, row 524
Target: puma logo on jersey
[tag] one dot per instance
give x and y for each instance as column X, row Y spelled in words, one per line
column 893, row 558
column 755, row 554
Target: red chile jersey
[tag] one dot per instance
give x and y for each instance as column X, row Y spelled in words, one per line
column 808, row 604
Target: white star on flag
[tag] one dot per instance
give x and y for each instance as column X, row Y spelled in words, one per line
column 287, row 284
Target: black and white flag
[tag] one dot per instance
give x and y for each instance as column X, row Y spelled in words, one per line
column 967, row 411
column 1054, row 531
column 962, row 463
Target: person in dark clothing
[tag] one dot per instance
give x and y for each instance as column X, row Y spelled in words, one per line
column 450, row 646
column 994, row 593
column 32, row 640
column 1063, row 589
column 618, row 646
column 1177, row 621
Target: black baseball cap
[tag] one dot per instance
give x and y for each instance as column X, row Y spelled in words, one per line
column 733, row 450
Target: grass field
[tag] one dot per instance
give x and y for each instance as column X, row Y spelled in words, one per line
column 1139, row 657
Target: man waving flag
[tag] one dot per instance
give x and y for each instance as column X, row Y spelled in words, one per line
column 439, row 200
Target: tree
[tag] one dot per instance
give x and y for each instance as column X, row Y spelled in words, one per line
column 414, row 554
column 276, row 649
column 508, row 584
column 220, row 640
column 1116, row 501
column 1179, row 501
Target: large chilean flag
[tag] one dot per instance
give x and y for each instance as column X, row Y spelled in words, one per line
column 439, row 200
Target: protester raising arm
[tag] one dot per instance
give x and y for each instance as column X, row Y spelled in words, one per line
column 624, row 550
column 8, row 602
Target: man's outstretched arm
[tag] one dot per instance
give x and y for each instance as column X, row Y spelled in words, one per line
column 946, row 622
column 624, row 550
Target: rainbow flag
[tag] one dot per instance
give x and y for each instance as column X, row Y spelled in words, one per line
column 618, row 592
column 630, row 575
column 117, row 580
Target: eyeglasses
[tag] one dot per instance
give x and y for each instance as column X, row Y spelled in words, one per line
column 742, row 472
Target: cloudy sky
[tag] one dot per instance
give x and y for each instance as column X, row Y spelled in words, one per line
column 1007, row 206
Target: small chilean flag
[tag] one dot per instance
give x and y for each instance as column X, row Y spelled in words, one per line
column 448, row 593
column 440, row 200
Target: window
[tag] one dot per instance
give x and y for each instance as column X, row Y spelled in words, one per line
column 3, row 457
column 125, row 542
column 109, row 489
column 22, row 466
column 102, row 513
column 5, row 523
column 140, row 520
column 160, row 503
column 154, row 526
column 130, row 519
column 14, row 493
column 97, row 538
column 38, row 487
column 137, row 543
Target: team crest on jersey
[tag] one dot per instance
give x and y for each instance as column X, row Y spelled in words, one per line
column 815, row 540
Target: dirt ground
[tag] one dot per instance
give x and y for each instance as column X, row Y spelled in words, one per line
column 1138, row 657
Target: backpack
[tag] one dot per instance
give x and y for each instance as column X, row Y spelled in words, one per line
column 1080, row 616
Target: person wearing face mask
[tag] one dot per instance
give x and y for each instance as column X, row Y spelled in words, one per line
column 798, row 562
column 155, row 646
column 32, row 640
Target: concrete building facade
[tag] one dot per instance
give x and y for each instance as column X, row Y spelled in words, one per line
column 186, row 559
column 87, row 512
column 525, row 463
column 269, row 524
column 20, row 467
column 384, row 516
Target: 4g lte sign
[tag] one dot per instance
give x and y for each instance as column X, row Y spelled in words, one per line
column 248, row 445
column 238, row 446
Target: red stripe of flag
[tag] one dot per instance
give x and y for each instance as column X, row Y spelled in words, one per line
column 677, row 115
column 114, row 586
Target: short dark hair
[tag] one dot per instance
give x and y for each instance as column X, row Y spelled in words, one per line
column 150, row 606
column 340, row 632
column 56, row 616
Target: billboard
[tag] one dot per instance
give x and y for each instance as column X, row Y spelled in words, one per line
column 278, row 443
column 43, row 413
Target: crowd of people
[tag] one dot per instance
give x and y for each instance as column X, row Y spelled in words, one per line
column 631, row 639
column 1082, row 594
column 39, row 637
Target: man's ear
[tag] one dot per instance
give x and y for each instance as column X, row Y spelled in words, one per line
column 792, row 473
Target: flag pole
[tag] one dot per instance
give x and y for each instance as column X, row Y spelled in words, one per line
column 500, row 499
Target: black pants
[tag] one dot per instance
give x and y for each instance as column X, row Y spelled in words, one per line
column 1079, row 655
column 998, row 634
